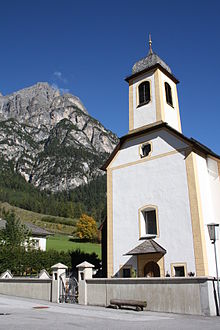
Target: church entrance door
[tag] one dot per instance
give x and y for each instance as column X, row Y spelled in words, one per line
column 151, row 269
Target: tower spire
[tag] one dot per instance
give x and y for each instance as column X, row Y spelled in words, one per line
column 150, row 45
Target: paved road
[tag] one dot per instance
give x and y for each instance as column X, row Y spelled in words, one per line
column 26, row 314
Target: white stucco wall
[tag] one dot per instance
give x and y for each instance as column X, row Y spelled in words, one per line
column 209, row 187
column 42, row 242
column 145, row 114
column 162, row 182
column 171, row 113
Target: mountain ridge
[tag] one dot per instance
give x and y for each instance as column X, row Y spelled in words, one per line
column 50, row 139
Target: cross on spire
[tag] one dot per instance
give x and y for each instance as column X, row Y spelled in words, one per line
column 150, row 45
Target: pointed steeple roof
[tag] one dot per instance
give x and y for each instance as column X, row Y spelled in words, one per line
column 149, row 61
column 152, row 61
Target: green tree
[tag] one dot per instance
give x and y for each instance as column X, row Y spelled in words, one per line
column 15, row 234
column 86, row 228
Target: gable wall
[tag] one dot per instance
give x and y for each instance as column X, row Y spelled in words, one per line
column 162, row 141
column 160, row 181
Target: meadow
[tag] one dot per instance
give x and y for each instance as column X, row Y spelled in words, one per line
column 63, row 243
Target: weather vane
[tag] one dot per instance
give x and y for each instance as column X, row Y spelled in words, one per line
column 150, row 45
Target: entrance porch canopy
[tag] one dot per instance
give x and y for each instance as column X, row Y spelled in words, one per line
column 148, row 246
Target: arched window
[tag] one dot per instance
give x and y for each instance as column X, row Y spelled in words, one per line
column 144, row 92
column 148, row 222
column 168, row 92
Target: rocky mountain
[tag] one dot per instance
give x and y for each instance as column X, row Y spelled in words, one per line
column 50, row 139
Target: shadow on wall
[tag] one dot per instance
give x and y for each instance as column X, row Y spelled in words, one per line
column 128, row 270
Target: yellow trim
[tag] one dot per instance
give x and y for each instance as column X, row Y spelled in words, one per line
column 177, row 109
column 131, row 106
column 109, row 224
column 178, row 264
column 145, row 208
column 140, row 149
column 159, row 96
column 199, row 243
column 138, row 105
column 146, row 159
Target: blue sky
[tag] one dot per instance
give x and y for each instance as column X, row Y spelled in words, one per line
column 89, row 47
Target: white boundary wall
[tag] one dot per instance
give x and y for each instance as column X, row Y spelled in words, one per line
column 48, row 289
column 173, row 295
column 27, row 287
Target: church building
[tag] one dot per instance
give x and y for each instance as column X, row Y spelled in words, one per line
column 163, row 188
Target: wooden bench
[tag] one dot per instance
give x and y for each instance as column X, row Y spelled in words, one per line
column 124, row 303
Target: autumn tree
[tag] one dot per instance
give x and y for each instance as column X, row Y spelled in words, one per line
column 86, row 228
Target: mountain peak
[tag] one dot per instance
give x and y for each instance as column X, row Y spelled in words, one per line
column 39, row 104
column 50, row 139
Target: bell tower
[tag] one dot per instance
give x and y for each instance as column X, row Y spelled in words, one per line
column 153, row 93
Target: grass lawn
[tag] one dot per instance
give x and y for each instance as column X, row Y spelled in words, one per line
column 62, row 243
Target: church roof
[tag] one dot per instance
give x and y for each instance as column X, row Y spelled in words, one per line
column 148, row 246
column 149, row 61
column 194, row 144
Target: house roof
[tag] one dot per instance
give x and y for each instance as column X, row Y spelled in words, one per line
column 194, row 144
column 35, row 231
column 148, row 246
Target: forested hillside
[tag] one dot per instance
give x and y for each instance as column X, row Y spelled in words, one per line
column 89, row 198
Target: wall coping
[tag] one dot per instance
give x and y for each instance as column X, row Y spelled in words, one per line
column 25, row 280
column 142, row 280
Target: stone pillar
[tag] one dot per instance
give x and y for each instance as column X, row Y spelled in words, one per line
column 58, row 276
column 84, row 273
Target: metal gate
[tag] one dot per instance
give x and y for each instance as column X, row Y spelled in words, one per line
column 69, row 290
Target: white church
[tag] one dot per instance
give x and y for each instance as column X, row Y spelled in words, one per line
column 162, row 187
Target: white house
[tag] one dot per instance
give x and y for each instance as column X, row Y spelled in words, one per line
column 162, row 187
column 38, row 235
